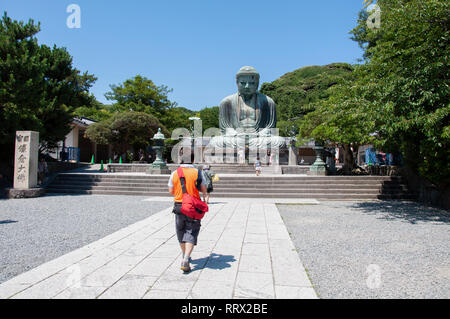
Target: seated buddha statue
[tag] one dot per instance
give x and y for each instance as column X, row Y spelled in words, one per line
column 247, row 117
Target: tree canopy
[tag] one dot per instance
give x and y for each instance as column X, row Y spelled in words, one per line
column 296, row 92
column 140, row 94
column 398, row 99
column 406, row 81
column 342, row 119
column 176, row 117
column 210, row 117
column 125, row 129
column 96, row 111
column 39, row 87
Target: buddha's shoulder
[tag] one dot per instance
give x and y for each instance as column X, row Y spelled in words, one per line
column 229, row 99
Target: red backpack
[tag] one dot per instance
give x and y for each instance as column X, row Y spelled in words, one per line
column 191, row 206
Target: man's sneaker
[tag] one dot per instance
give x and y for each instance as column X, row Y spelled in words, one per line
column 182, row 260
column 185, row 266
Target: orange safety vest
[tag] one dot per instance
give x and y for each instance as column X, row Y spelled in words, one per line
column 191, row 176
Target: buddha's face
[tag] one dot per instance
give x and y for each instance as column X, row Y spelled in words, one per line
column 247, row 84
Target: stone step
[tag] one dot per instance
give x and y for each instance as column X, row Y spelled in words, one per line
column 277, row 186
column 236, row 190
column 219, row 185
column 138, row 176
column 322, row 196
column 163, row 184
column 234, row 178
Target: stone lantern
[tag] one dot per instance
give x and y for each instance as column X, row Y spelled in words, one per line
column 158, row 166
column 319, row 166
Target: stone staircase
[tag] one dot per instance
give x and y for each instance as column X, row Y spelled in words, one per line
column 218, row 168
column 278, row 186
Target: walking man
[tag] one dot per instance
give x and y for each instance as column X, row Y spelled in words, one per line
column 187, row 229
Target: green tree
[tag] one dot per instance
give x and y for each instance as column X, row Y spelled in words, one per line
column 176, row 117
column 39, row 87
column 209, row 117
column 360, row 34
column 296, row 93
column 125, row 130
column 100, row 132
column 407, row 82
column 399, row 99
column 97, row 111
column 140, row 94
column 343, row 119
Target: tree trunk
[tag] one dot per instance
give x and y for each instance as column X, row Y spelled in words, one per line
column 349, row 162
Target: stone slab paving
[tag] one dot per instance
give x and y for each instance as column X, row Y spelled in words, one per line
column 34, row 231
column 244, row 251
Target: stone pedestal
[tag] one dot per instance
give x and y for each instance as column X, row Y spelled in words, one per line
column 293, row 156
column 158, row 171
column 319, row 167
column 25, row 193
column 26, row 165
column 198, row 154
column 159, row 166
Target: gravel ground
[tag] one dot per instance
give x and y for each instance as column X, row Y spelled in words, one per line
column 34, row 231
column 386, row 250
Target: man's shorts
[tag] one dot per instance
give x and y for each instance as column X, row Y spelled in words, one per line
column 186, row 227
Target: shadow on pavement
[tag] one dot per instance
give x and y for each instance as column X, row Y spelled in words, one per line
column 411, row 212
column 8, row 221
column 213, row 261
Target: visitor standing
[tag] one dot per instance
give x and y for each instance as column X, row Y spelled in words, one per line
column 241, row 156
column 141, row 155
column 187, row 228
column 271, row 158
column 257, row 166
column 42, row 170
column 209, row 175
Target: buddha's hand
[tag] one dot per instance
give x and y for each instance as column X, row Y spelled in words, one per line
column 265, row 132
column 230, row 132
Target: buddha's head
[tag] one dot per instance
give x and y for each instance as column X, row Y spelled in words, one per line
column 247, row 80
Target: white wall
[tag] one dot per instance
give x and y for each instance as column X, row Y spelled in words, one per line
column 72, row 137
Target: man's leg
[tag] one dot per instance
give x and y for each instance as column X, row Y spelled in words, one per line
column 189, row 247
column 180, row 229
column 185, row 266
column 183, row 248
column 190, row 240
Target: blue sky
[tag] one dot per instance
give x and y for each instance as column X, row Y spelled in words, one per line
column 195, row 47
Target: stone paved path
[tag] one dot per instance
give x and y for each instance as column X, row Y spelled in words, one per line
column 244, row 251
